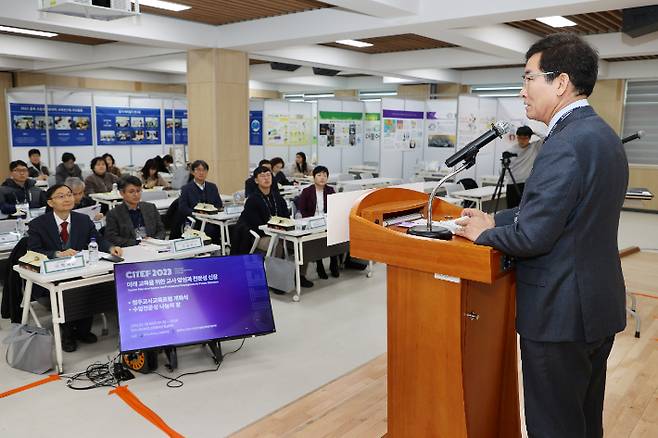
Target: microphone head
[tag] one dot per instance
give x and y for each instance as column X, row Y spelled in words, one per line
column 501, row 127
column 640, row 134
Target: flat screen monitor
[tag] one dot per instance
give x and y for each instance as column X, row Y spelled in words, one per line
column 191, row 301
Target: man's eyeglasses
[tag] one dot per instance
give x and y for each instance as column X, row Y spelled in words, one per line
column 64, row 196
column 17, row 170
column 527, row 77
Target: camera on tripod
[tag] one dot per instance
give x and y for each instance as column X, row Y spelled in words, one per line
column 507, row 155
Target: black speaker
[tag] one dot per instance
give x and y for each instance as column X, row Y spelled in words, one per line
column 325, row 71
column 637, row 22
column 283, row 66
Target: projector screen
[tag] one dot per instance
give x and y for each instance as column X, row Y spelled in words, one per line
column 180, row 302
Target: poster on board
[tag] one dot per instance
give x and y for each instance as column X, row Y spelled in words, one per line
column 256, row 128
column 287, row 129
column 441, row 126
column 402, row 130
column 175, row 126
column 68, row 125
column 339, row 129
column 128, row 126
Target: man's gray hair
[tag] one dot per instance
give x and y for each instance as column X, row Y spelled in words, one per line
column 74, row 182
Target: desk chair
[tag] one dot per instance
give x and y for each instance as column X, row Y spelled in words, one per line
column 52, row 180
column 7, row 226
column 345, row 177
column 365, row 175
column 152, row 196
column 468, row 184
column 256, row 241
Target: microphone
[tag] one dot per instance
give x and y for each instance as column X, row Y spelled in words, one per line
column 638, row 134
column 468, row 152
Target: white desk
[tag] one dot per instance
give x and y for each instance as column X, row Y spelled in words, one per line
column 163, row 204
column 364, row 184
column 100, row 272
column 478, row 195
column 434, row 175
column 297, row 238
column 222, row 220
column 363, row 168
column 112, row 199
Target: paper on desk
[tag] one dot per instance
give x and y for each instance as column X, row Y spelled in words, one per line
column 157, row 242
column 90, row 211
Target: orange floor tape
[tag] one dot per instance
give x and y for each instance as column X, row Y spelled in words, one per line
column 131, row 400
column 640, row 294
column 51, row 378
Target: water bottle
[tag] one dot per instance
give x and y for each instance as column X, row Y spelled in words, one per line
column 114, row 188
column 20, row 226
column 93, row 251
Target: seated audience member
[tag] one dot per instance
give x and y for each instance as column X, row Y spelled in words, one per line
column 111, row 167
column 63, row 233
column 250, row 186
column 36, row 169
column 313, row 202
column 277, row 172
column 151, row 175
column 168, row 161
column 300, row 168
column 100, row 181
column 19, row 189
column 67, row 168
column 80, row 200
column 133, row 220
column 261, row 206
column 199, row 190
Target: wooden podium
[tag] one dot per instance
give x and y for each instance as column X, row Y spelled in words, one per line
column 452, row 363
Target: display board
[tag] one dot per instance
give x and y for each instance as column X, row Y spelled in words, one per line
column 440, row 131
column 256, row 128
column 372, row 131
column 402, row 130
column 340, row 129
column 128, row 126
column 175, row 126
column 402, row 136
column 287, row 129
column 67, row 125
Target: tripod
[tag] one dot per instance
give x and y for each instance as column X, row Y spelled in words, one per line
column 505, row 161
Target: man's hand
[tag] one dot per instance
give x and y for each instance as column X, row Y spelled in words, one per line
column 66, row 253
column 42, row 177
column 98, row 216
column 473, row 223
column 116, row 251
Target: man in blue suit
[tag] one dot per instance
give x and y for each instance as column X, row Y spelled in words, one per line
column 199, row 190
column 63, row 233
column 570, row 288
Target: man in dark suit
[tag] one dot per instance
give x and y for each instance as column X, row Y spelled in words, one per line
column 133, row 220
column 199, row 190
column 63, row 233
column 570, row 287
column 19, row 189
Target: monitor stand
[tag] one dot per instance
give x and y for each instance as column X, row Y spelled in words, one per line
column 172, row 358
column 216, row 349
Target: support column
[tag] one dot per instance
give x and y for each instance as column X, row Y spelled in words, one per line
column 5, row 156
column 218, row 114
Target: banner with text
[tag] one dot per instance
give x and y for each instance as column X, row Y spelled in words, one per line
column 68, row 125
column 128, row 126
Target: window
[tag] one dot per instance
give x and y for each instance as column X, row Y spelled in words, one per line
column 641, row 114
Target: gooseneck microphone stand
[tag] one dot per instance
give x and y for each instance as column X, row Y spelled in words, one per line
column 438, row 232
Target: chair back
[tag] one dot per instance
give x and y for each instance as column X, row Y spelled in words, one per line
column 154, row 195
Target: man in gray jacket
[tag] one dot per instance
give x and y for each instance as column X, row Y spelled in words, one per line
column 570, row 288
column 132, row 221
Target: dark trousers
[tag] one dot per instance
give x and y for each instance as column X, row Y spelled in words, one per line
column 563, row 386
column 514, row 198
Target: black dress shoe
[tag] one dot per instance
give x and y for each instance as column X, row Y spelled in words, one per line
column 86, row 338
column 321, row 272
column 69, row 345
column 277, row 291
column 304, row 282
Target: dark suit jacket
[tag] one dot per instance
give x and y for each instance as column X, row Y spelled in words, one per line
column 257, row 213
column 308, row 200
column 119, row 229
column 191, row 195
column 570, row 285
column 11, row 194
column 61, row 173
column 43, row 234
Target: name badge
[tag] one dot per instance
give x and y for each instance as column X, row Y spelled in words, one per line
column 317, row 223
column 9, row 237
column 187, row 244
column 233, row 209
column 63, row 264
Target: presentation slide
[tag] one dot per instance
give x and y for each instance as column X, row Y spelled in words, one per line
column 176, row 126
column 68, row 125
column 179, row 302
column 256, row 128
column 128, row 126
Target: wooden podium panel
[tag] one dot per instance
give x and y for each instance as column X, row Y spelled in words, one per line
column 451, row 339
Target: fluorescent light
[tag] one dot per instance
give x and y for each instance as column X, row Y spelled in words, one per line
column 377, row 93
column 556, row 21
column 27, row 31
column 354, row 43
column 494, row 88
column 160, row 4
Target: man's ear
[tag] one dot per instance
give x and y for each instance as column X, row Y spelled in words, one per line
column 563, row 83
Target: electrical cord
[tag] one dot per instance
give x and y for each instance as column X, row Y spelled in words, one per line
column 99, row 374
column 175, row 382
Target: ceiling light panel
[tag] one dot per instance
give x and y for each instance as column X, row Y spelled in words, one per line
column 27, row 31
column 354, row 43
column 160, row 4
column 556, row 21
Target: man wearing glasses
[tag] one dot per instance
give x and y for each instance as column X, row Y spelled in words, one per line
column 18, row 192
column 63, row 233
column 570, row 287
column 133, row 220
